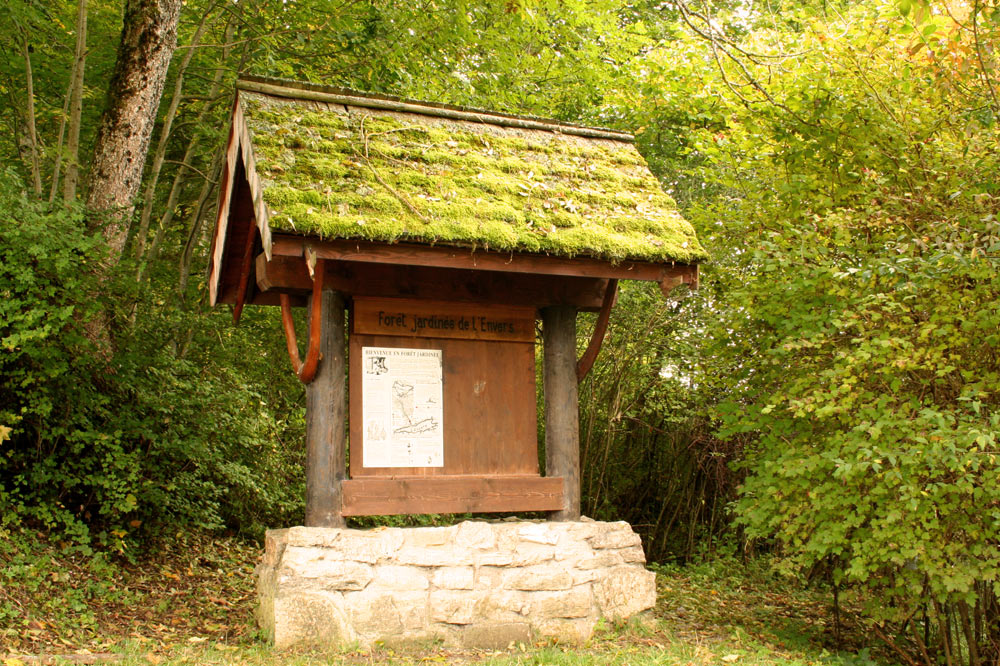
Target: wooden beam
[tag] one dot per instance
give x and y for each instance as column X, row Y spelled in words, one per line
column 304, row 91
column 448, row 257
column 586, row 361
column 289, row 274
column 372, row 496
column 244, row 287
column 562, row 433
column 325, row 419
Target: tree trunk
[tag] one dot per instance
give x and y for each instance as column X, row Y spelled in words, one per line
column 161, row 147
column 76, row 106
column 57, row 164
column 197, row 222
column 36, row 174
column 149, row 37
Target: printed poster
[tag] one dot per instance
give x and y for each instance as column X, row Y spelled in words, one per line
column 402, row 413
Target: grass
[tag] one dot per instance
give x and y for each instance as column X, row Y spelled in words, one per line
column 192, row 602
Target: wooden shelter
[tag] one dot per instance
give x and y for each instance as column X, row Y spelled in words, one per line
column 442, row 234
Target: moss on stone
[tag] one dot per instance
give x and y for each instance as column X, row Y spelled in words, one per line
column 433, row 180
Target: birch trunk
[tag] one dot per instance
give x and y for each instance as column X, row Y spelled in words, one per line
column 76, row 105
column 57, row 165
column 197, row 223
column 36, row 174
column 149, row 37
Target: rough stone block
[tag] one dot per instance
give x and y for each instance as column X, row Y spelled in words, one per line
column 619, row 535
column 454, row 578
column 538, row 533
column 370, row 546
column 323, row 569
column 496, row 558
column 400, row 578
column 474, row 534
column 625, row 591
column 455, row 607
column 573, row 603
column 375, row 614
column 489, row 577
column 433, row 556
column 602, row 560
column 551, row 576
column 429, row 536
column 505, row 605
column 527, row 554
column 305, row 618
column 634, row 554
column 495, row 636
column 566, row 630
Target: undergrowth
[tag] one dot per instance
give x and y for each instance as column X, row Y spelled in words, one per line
column 190, row 599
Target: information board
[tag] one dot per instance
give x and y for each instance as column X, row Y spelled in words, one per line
column 434, row 319
column 403, row 416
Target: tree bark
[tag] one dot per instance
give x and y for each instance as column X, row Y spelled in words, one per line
column 76, row 106
column 57, row 162
column 36, row 174
column 149, row 37
column 161, row 147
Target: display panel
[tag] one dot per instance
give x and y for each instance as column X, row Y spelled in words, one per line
column 403, row 415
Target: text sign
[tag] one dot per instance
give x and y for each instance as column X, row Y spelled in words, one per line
column 403, row 416
column 430, row 319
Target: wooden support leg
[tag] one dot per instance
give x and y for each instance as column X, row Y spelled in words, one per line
column 562, row 434
column 325, row 418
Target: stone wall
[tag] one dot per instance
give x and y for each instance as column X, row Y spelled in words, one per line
column 475, row 584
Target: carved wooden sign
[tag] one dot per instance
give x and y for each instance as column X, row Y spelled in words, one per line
column 436, row 319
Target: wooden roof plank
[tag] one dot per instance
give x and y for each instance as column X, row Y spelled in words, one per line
column 448, row 257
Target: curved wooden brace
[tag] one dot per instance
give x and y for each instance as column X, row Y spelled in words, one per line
column 306, row 371
column 586, row 361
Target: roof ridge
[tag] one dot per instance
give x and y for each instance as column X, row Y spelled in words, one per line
column 303, row 90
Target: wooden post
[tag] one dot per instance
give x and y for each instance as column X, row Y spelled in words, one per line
column 325, row 418
column 562, row 434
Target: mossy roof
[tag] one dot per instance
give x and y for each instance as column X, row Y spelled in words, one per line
column 340, row 171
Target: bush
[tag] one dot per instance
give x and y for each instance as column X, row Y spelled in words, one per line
column 179, row 426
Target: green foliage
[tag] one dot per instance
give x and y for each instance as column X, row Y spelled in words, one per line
column 648, row 454
column 170, row 429
column 853, row 207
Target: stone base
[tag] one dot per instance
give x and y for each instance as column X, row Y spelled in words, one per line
column 476, row 584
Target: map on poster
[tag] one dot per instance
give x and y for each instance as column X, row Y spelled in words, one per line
column 402, row 407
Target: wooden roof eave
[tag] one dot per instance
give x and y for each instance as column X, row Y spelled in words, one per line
column 238, row 146
column 667, row 275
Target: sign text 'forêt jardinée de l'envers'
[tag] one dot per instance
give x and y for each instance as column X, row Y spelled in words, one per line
column 398, row 317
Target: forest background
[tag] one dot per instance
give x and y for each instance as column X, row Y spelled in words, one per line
column 830, row 396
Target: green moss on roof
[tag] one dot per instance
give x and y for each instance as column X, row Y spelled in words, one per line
column 405, row 177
